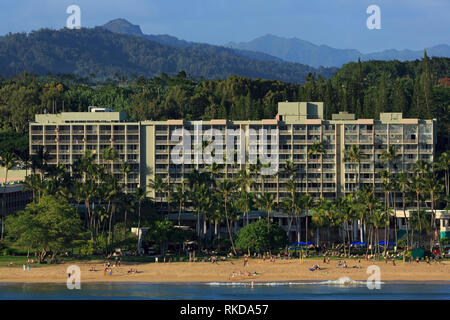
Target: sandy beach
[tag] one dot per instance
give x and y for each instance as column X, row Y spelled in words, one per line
column 281, row 270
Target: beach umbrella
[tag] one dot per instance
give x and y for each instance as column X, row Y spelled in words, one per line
column 303, row 243
column 389, row 243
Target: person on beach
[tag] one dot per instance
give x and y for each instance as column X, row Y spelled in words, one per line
column 245, row 260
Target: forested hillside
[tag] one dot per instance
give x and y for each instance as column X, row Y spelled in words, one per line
column 101, row 54
column 366, row 89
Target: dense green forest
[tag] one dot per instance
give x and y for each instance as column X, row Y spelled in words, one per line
column 364, row 88
column 102, row 54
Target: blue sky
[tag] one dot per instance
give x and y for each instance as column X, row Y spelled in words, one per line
column 412, row 24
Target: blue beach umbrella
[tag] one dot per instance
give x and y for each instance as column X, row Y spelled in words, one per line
column 303, row 243
column 389, row 243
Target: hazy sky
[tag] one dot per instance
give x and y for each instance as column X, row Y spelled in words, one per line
column 412, row 24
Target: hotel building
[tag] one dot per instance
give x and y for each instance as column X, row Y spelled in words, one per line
column 147, row 146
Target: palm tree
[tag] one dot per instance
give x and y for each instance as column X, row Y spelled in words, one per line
column 140, row 195
column 245, row 181
column 319, row 217
column 355, row 155
column 8, row 160
column 404, row 183
column 112, row 194
column 298, row 211
column 225, row 190
column 370, row 203
column 207, row 203
column 378, row 220
column 214, row 170
column 316, row 149
column 198, row 182
column 89, row 191
column 420, row 168
column 110, row 154
column 39, row 161
column 432, row 186
column 178, row 197
column 386, row 176
column 290, row 170
column 323, row 215
column 290, row 203
column 444, row 165
column 126, row 203
column 256, row 171
column 267, row 203
column 308, row 203
column 417, row 185
column 158, row 185
column 125, row 169
column 389, row 157
column 341, row 217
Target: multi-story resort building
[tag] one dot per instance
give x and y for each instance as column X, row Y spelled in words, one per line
column 150, row 147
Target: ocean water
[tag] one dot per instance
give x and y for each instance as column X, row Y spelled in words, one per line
column 228, row 291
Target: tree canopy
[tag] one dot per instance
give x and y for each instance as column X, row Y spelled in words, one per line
column 261, row 236
column 50, row 226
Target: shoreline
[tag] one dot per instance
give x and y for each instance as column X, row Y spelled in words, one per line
column 237, row 283
column 281, row 271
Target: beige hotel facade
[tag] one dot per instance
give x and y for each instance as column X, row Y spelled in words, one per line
column 147, row 146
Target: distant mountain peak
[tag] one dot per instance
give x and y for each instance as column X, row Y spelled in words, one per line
column 123, row 26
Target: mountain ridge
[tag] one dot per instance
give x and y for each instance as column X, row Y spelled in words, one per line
column 123, row 26
column 302, row 51
column 104, row 54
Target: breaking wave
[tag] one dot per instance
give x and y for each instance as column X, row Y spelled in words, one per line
column 343, row 281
